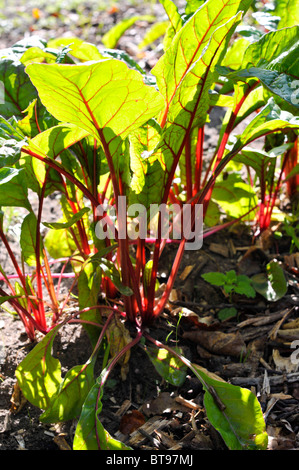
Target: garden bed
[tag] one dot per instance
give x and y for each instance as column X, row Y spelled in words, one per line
column 253, row 349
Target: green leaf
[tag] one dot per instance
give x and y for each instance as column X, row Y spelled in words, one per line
column 175, row 21
column 273, row 60
column 186, row 72
column 234, row 196
column 28, row 240
column 104, row 94
column 39, row 374
column 288, row 10
column 157, row 30
column 90, row 433
column 109, row 270
column 234, row 412
column 7, row 298
column 89, row 282
column 216, row 279
column 145, row 185
column 193, row 5
column 13, row 189
column 244, row 286
column 48, row 144
column 9, row 128
column 270, row 119
column 10, row 151
column 36, row 120
column 226, row 313
column 272, row 285
column 63, row 225
column 172, row 369
column 111, row 38
column 67, row 403
column 190, row 42
column 19, row 91
column 36, row 54
column 59, row 243
column 77, row 47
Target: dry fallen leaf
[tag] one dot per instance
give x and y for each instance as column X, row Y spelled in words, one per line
column 118, row 337
column 164, row 403
column 131, row 421
column 17, row 399
column 284, row 364
column 61, row 442
column 217, row 342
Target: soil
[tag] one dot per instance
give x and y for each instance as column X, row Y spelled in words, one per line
column 179, row 420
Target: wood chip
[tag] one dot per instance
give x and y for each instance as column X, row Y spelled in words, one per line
column 186, row 272
column 155, row 423
column 220, row 249
column 61, row 442
column 188, row 403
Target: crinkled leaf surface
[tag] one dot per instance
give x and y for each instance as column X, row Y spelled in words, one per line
column 13, row 189
column 273, row 59
column 19, row 91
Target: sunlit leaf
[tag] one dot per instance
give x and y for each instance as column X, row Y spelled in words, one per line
column 272, row 284
column 39, row 374
column 111, row 38
column 28, row 239
column 104, row 96
column 172, row 369
column 67, row 403
column 90, row 433
column 235, row 412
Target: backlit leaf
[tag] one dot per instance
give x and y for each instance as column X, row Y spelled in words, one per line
column 28, row 239
column 69, row 399
column 105, row 94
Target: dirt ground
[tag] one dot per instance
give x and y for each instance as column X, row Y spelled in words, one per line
column 265, row 329
column 266, row 368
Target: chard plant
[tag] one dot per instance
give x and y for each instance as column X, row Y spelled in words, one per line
column 108, row 138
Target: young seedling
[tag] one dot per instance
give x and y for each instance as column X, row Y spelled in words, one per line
column 231, row 283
